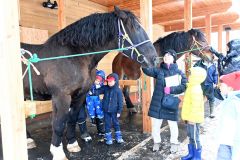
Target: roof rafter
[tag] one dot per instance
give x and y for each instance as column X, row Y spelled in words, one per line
column 220, row 19
column 178, row 15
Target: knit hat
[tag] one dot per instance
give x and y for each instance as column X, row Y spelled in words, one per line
column 110, row 78
column 172, row 53
column 99, row 78
column 232, row 80
column 197, row 75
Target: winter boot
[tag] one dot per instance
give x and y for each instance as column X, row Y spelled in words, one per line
column 84, row 133
column 100, row 126
column 156, row 147
column 93, row 120
column 197, row 154
column 190, row 153
column 118, row 136
column 211, row 106
column 108, row 137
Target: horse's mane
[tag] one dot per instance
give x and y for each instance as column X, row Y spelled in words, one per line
column 92, row 31
column 179, row 41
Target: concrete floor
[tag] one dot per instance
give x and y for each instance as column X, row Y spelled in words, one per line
column 131, row 126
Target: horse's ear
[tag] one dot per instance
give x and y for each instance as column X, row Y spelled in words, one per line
column 120, row 13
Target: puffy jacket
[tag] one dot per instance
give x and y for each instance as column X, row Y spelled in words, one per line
column 193, row 102
column 113, row 99
column 156, row 110
column 228, row 130
column 212, row 74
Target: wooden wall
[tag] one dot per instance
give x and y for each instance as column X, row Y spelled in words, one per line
column 32, row 35
column 33, row 15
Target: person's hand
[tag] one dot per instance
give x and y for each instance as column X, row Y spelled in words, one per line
column 213, row 50
column 167, row 90
column 90, row 93
column 214, row 85
column 118, row 115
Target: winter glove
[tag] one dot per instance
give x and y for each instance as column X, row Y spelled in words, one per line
column 98, row 86
column 118, row 115
column 90, row 93
column 167, row 90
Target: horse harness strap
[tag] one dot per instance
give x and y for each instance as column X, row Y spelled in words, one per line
column 124, row 36
column 200, row 47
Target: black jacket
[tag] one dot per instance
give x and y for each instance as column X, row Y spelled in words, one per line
column 113, row 100
column 156, row 110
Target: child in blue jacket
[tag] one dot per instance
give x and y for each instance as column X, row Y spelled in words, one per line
column 112, row 104
column 94, row 105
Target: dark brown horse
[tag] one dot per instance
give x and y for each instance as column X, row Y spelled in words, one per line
column 67, row 81
column 193, row 40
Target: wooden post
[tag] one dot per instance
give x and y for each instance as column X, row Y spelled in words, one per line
column 187, row 26
column 220, row 30
column 147, row 82
column 208, row 23
column 227, row 36
column 13, row 126
column 61, row 14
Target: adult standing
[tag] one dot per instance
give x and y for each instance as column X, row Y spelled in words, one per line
column 168, row 71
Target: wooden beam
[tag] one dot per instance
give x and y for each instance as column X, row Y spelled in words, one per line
column 220, row 19
column 134, row 5
column 208, row 22
column 227, row 36
column 187, row 26
column 13, row 128
column 147, row 82
column 128, row 82
column 61, row 14
column 196, row 12
column 40, row 107
column 187, row 14
column 220, row 30
column 233, row 26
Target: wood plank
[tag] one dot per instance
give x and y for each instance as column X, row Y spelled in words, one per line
column 33, row 36
column 128, row 82
column 220, row 30
column 134, row 5
column 187, row 26
column 13, row 128
column 147, row 85
column 39, row 107
column 208, row 22
column 61, row 14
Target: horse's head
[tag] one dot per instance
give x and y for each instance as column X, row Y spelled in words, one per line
column 199, row 45
column 132, row 35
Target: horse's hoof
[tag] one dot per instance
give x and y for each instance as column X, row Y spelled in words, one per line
column 73, row 147
column 86, row 137
column 132, row 110
column 31, row 143
column 57, row 152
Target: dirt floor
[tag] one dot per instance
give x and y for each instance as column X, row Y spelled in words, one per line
column 137, row 144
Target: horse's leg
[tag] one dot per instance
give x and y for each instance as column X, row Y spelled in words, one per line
column 61, row 105
column 82, row 116
column 130, row 106
column 30, row 142
column 73, row 145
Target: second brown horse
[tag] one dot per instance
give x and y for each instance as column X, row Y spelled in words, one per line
column 193, row 41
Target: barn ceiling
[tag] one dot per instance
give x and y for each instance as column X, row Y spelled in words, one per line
column 170, row 13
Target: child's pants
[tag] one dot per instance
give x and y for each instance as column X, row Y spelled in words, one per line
column 224, row 152
column 193, row 134
column 111, row 118
column 156, row 129
column 94, row 107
